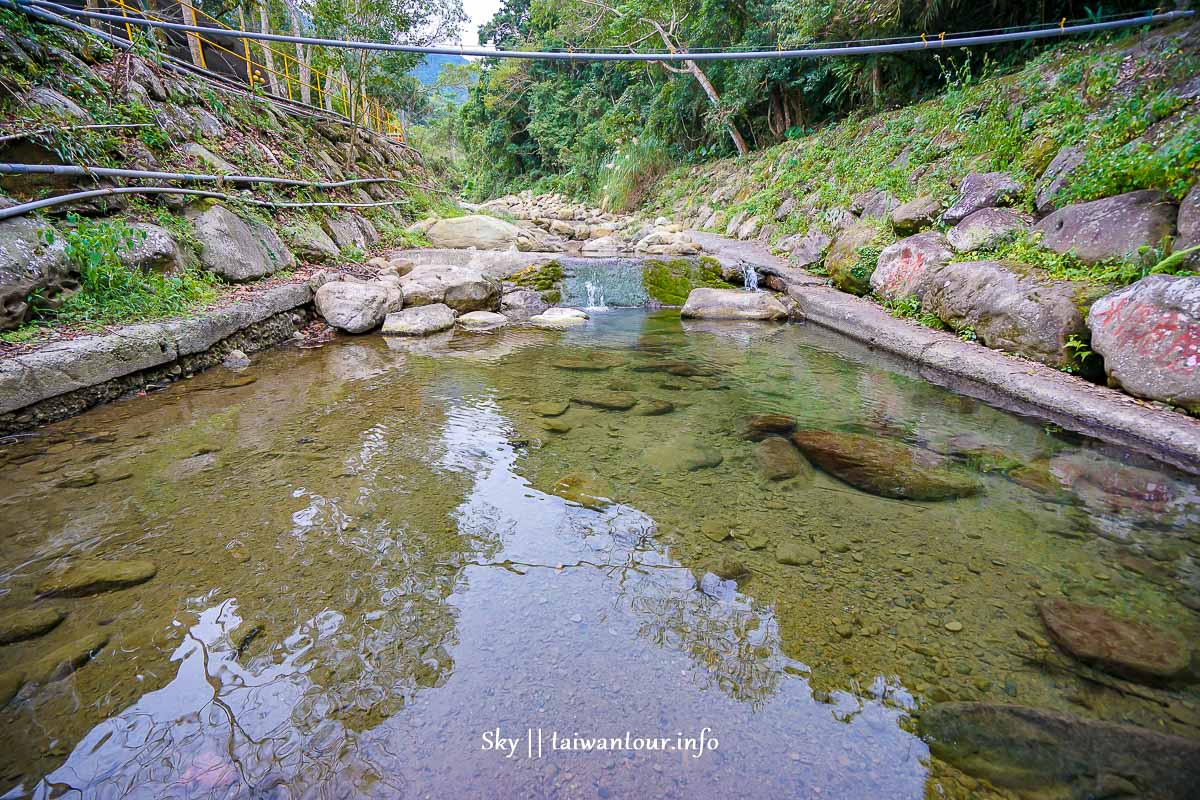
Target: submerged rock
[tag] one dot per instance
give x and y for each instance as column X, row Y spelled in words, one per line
column 597, row 362
column 588, row 491
column 60, row 663
column 651, row 407
column 1128, row 648
column 759, row 426
column 884, row 468
column 732, row 304
column 550, row 408
column 28, row 623
column 1055, row 755
column 796, row 554
column 728, row 568
column 419, row 320
column 482, row 320
column 779, row 460
column 1149, row 335
column 93, row 576
column 10, row 683
column 610, row 401
column 682, row 456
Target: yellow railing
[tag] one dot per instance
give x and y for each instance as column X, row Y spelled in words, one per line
column 324, row 89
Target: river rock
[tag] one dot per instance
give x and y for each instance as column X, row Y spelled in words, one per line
column 1189, row 227
column 521, row 304
column 480, row 231
column 796, row 554
column 235, row 249
column 651, row 407
column 1009, row 306
column 589, row 491
column 705, row 303
column 844, row 262
column 915, row 215
column 1053, row 755
column 60, row 663
column 682, row 455
column 418, row 320
column 558, row 318
column 10, row 683
column 610, row 401
column 757, row 427
column 16, row 626
column 728, row 568
column 988, row 227
column 462, row 288
column 1057, row 173
column 550, row 408
column 806, row 249
column 779, row 460
column 1113, row 227
column 29, row 266
column 1129, row 648
column 982, row 190
column 1149, row 335
column 482, row 320
column 603, row 246
column 882, row 467
column 85, row 577
column 355, row 307
column 904, row 265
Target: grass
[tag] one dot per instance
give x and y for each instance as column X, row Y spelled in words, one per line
column 628, row 177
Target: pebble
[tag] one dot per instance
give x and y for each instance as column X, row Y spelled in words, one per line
column 954, row 626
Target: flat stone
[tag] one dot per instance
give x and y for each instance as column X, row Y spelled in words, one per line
column 482, row 320
column 610, row 401
column 796, row 554
column 1052, row 755
column 418, row 320
column 16, row 626
column 778, row 459
column 558, row 318
column 93, row 576
column 682, row 455
column 550, row 408
column 1131, row 649
column 1057, row 173
column 584, row 489
column 706, row 303
column 650, row 407
column 882, row 467
column 60, row 663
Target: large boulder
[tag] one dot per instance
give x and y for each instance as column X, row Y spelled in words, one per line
column 1052, row 755
column 1189, row 227
column 310, row 242
column 732, row 304
column 1055, row 177
column 154, row 249
column 806, row 249
column 904, row 265
column 1113, row 227
column 356, row 307
column 419, row 320
column 462, row 288
column 237, row 250
column 1128, row 648
column 850, row 262
column 1149, row 335
column 882, row 467
column 521, row 304
column 988, row 227
column 349, row 230
column 982, row 190
column 477, row 230
column 915, row 215
column 603, row 246
column 876, row 204
column 28, row 267
column 1009, row 306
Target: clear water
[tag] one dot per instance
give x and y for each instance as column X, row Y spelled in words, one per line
column 603, row 282
column 394, row 520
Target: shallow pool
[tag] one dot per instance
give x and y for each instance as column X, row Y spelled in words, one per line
column 380, row 562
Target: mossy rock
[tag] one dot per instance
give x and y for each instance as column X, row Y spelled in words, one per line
column 542, row 277
column 670, row 281
column 854, row 254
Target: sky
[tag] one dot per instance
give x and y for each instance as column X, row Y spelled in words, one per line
column 479, row 12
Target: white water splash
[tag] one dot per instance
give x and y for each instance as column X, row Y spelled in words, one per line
column 595, row 297
column 749, row 278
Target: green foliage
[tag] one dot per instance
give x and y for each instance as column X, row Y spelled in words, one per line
column 109, row 292
column 1083, row 360
column 355, row 255
column 669, row 282
column 628, row 177
column 542, row 277
column 909, row 307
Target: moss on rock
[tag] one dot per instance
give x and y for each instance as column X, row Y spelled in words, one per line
column 670, row 281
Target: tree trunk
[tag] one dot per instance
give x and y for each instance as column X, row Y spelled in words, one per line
column 193, row 39
column 305, row 72
column 709, row 90
column 264, row 21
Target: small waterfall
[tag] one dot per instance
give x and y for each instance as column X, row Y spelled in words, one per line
column 749, row 277
column 595, row 297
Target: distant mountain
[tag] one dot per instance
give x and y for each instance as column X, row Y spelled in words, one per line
column 427, row 72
